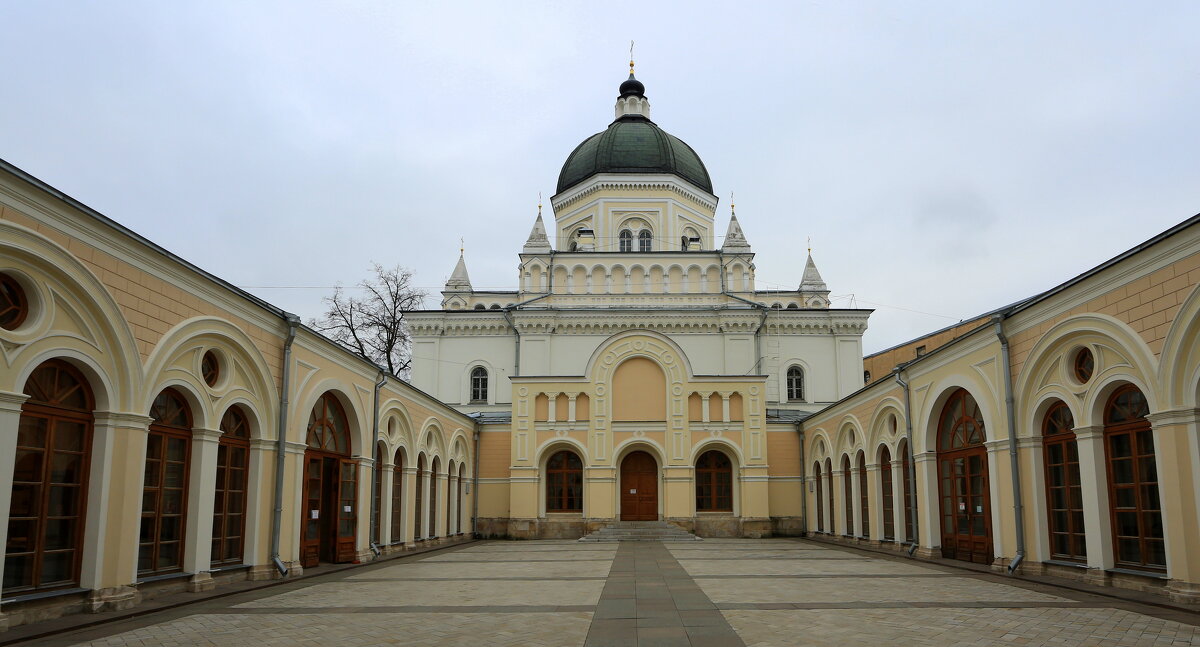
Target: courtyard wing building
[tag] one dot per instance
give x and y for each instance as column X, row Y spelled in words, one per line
column 163, row 430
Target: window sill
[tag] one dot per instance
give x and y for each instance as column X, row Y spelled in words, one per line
column 1064, row 562
column 1158, row 575
column 42, row 595
column 163, row 578
column 714, row 513
column 226, row 568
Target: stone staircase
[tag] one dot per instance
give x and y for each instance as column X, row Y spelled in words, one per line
column 640, row 531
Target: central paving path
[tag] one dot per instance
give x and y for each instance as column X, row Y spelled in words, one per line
column 756, row 593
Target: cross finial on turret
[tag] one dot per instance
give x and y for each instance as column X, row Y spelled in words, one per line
column 810, row 245
column 539, row 203
column 462, row 246
column 631, row 58
column 732, row 206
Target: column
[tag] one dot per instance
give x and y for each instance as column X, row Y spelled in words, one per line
column 261, row 487
column 725, row 405
column 571, row 406
column 10, row 421
column 385, row 503
column 1093, row 479
column 1177, row 455
column 440, row 482
column 898, row 497
column 452, row 517
column 928, row 523
column 704, row 409
column 874, row 502
column 409, row 506
column 856, row 504
column 551, row 414
column 114, row 511
column 202, row 485
column 426, row 485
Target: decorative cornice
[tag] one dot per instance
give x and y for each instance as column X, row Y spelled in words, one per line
column 1174, row 417
column 602, row 182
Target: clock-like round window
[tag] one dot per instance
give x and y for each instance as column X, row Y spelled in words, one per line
column 210, row 368
column 14, row 305
column 1084, row 365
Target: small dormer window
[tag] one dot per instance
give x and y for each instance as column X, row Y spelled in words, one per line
column 644, row 240
column 625, row 241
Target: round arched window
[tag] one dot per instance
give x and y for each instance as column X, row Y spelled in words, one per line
column 14, row 306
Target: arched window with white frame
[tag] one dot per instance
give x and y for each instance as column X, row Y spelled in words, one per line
column 625, row 241
column 479, row 385
column 644, row 240
column 795, row 384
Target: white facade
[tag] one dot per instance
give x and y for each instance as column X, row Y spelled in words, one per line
column 637, row 251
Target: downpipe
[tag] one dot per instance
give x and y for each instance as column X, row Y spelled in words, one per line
column 1014, row 457
column 281, row 442
column 912, row 463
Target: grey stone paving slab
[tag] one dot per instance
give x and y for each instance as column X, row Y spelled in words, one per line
column 645, row 600
column 648, row 593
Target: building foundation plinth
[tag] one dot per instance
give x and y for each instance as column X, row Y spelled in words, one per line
column 1185, row 593
column 201, row 582
column 115, row 598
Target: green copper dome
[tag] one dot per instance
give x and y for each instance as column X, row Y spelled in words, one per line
column 633, row 144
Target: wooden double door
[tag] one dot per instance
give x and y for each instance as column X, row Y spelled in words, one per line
column 330, row 509
column 639, row 487
column 966, row 514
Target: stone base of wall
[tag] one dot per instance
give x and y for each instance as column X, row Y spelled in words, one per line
column 573, row 527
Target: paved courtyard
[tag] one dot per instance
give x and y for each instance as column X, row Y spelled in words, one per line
column 717, row 592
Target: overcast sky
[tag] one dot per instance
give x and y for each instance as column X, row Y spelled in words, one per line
column 945, row 158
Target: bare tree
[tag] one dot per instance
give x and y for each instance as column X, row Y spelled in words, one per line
column 373, row 324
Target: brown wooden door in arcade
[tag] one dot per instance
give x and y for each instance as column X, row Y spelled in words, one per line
column 639, row 488
column 966, row 518
column 330, row 487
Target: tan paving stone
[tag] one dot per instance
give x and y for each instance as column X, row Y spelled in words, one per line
column 865, row 589
column 350, row 593
column 529, row 555
column 954, row 627
column 702, row 567
column 427, row 569
column 362, row 629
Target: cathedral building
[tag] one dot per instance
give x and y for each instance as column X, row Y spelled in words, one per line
column 162, row 430
column 637, row 373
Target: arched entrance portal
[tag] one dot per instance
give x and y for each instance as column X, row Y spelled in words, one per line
column 330, row 487
column 963, row 481
column 639, row 487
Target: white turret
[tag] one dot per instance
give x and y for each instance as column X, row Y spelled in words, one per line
column 735, row 240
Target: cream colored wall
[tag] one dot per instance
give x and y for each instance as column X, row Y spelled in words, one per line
column 625, row 369
column 1141, row 319
column 135, row 321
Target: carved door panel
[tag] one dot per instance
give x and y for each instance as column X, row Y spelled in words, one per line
column 347, row 511
column 310, row 539
column 639, row 488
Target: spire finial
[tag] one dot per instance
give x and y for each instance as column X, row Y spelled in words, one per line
column 462, row 246
column 810, row 245
column 539, row 204
column 732, row 206
column 631, row 58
